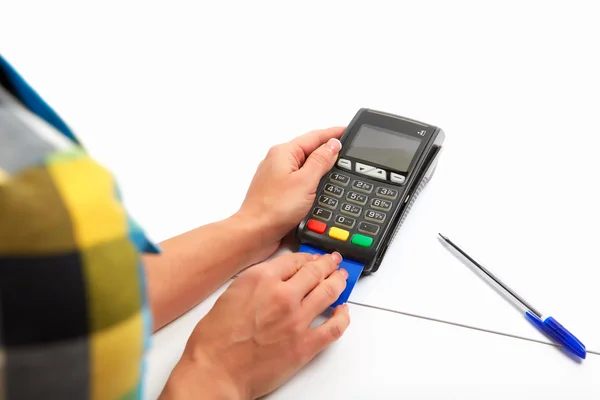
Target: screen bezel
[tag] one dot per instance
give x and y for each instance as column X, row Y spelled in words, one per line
column 403, row 138
column 390, row 123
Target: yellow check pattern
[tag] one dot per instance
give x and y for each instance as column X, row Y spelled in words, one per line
column 74, row 317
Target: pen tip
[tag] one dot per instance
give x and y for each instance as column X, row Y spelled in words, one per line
column 443, row 237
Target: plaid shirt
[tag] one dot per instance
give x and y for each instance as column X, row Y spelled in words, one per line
column 74, row 317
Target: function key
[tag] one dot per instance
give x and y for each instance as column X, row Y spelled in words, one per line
column 339, row 234
column 397, row 178
column 339, row 178
column 368, row 228
column 380, row 204
column 322, row 214
column 328, row 202
column 343, row 163
column 316, row 226
column 387, row 193
column 362, row 186
column 334, row 190
column 362, row 240
column 375, row 216
column 350, row 209
column 344, row 221
column 370, row 170
column 357, row 198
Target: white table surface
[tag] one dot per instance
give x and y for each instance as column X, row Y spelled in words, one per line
column 183, row 99
column 384, row 355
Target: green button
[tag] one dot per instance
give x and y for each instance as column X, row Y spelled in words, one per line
column 362, row 240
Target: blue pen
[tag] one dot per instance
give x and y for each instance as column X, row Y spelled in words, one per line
column 548, row 325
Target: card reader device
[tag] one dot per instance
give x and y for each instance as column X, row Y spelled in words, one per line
column 385, row 161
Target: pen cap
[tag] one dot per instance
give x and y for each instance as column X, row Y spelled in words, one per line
column 559, row 333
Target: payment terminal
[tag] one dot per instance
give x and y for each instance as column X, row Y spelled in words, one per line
column 385, row 162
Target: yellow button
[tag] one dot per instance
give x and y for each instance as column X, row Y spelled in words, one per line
column 339, row 234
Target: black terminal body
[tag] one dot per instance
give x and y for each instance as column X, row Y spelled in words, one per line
column 384, row 163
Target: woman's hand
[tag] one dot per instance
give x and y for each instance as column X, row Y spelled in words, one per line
column 258, row 334
column 284, row 186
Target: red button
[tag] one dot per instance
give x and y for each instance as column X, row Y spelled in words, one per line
column 316, row 226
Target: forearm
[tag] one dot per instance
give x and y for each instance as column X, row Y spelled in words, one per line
column 194, row 264
column 192, row 380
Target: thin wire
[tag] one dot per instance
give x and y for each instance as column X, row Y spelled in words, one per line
column 442, row 321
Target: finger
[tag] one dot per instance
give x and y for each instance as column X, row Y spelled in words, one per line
column 331, row 330
column 310, row 141
column 287, row 265
column 320, row 161
column 325, row 294
column 313, row 273
column 304, row 145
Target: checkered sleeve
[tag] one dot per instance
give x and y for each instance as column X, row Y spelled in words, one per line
column 74, row 317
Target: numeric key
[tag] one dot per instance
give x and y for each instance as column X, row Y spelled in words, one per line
column 333, row 190
column 339, row 179
column 327, row 201
column 357, row 198
column 387, row 193
column 344, row 221
column 350, row 209
column 375, row 216
column 362, row 186
column 380, row 204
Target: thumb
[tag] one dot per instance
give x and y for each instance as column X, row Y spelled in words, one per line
column 320, row 161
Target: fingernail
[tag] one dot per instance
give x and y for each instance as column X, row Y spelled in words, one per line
column 334, row 145
column 315, row 256
column 343, row 307
column 344, row 273
column 337, row 257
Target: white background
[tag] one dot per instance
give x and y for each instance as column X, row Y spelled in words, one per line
column 183, row 99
